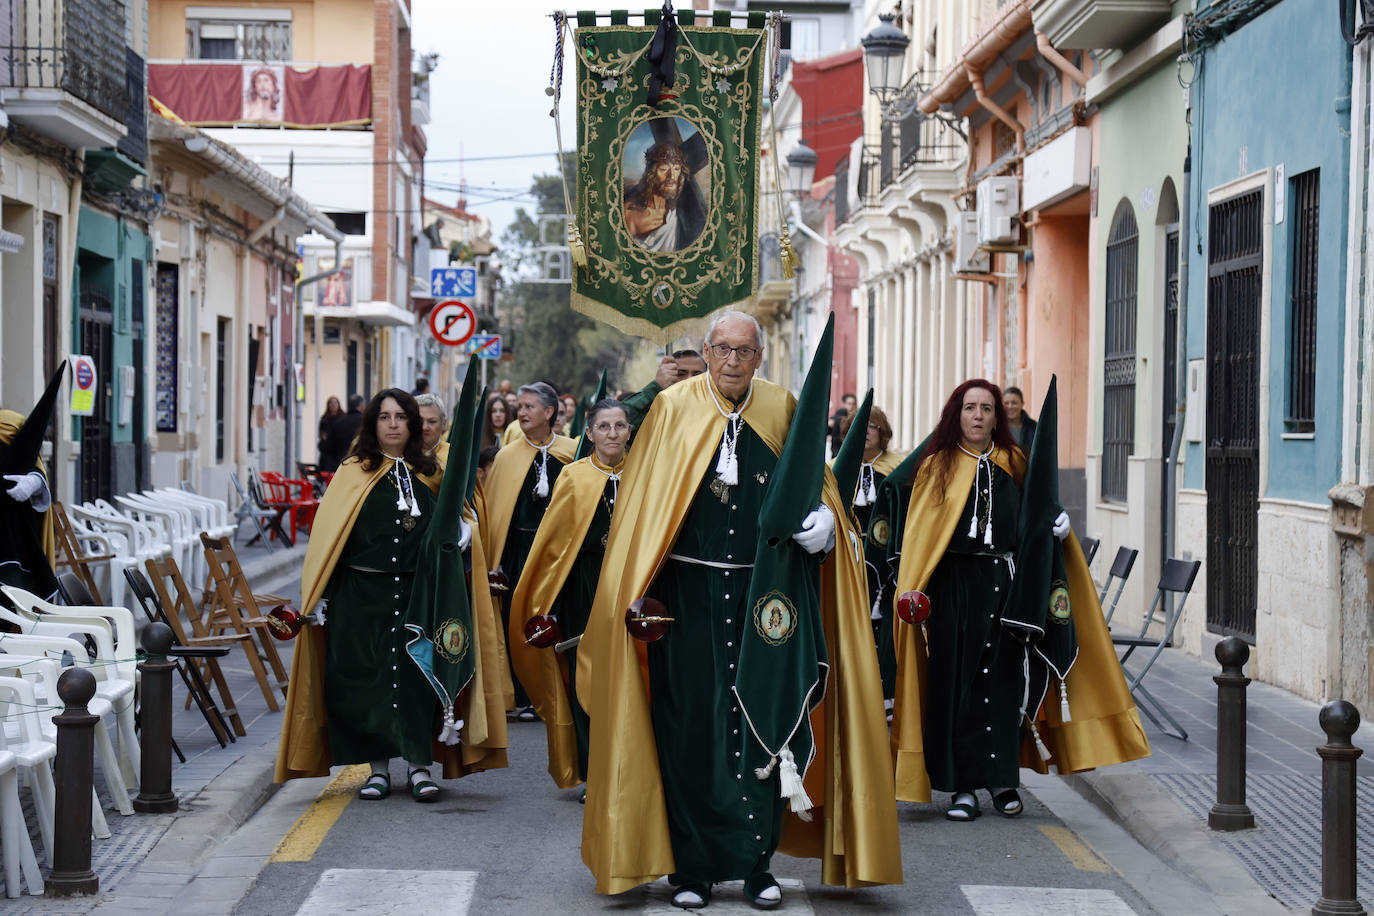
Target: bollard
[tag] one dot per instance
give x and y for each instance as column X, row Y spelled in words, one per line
column 1339, row 720
column 71, row 855
column 155, row 794
column 1231, row 812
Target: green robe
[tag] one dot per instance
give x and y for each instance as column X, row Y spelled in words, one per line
column 723, row 822
column 976, row 681
column 524, row 524
column 574, row 604
column 377, row 702
column 881, row 584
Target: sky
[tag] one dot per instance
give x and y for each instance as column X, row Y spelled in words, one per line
column 487, row 101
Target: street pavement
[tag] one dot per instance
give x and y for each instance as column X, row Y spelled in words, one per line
column 1130, row 839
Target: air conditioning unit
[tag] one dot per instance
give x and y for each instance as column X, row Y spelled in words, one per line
column 968, row 259
column 999, row 210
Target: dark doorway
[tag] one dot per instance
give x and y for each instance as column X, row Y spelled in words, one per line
column 96, row 320
column 1169, row 389
column 142, row 458
column 1235, row 251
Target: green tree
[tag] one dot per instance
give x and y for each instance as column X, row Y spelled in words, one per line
column 549, row 340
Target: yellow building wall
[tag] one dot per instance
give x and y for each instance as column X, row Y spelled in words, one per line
column 327, row 31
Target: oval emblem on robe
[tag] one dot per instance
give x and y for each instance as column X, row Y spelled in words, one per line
column 1060, row 611
column 881, row 530
column 451, row 640
column 775, row 618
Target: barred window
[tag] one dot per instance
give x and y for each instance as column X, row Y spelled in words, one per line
column 1118, row 370
column 230, row 36
column 1305, row 193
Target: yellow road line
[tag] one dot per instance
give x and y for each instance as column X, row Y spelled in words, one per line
column 310, row 829
column 1078, row 854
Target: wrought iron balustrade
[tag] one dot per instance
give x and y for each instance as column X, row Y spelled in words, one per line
column 842, row 190
column 73, row 45
column 870, row 175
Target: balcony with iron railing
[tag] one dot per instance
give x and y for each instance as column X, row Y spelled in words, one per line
column 64, row 68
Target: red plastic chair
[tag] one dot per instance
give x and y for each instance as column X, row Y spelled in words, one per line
column 295, row 497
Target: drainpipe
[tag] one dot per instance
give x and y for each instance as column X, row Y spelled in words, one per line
column 976, row 81
column 1181, row 369
column 1047, row 51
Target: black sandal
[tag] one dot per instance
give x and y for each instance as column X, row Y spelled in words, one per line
column 1008, row 803
column 757, row 888
column 692, row 896
column 964, row 810
column 423, row 789
column 377, row 787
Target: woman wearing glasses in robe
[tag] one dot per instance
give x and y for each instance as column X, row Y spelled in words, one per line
column 560, row 579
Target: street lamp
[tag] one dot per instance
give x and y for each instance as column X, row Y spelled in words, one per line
column 801, row 169
column 884, row 52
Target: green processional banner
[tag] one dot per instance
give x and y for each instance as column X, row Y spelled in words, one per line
column 667, row 196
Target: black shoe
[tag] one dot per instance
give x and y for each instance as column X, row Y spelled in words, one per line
column 692, row 895
column 964, row 807
column 1008, row 803
column 762, row 891
column 526, row 714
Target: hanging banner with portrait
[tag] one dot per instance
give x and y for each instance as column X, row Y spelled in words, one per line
column 667, row 193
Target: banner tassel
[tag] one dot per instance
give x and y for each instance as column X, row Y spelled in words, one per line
column 1064, row 703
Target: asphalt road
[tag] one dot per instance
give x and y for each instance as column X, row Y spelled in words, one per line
column 506, row 842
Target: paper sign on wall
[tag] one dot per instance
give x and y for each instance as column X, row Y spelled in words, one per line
column 83, row 385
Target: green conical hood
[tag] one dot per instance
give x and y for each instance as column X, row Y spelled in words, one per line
column 579, row 424
column 474, row 453
column 795, row 488
column 21, row 454
column 851, row 454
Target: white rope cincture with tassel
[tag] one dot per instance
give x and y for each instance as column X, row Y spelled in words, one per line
column 1040, row 747
column 868, row 492
column 451, row 732
column 727, row 466
column 405, row 487
column 1064, row 703
column 984, row 461
column 541, row 485
column 790, row 784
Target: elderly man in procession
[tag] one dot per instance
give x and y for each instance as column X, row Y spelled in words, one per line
column 675, row 784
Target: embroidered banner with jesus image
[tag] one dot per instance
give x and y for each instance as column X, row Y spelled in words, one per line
column 667, row 196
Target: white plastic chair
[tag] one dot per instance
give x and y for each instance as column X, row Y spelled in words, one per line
column 139, row 543
column 116, row 667
column 34, row 645
column 211, row 515
column 176, row 521
column 22, row 736
column 14, row 834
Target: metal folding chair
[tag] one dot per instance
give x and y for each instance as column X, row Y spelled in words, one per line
column 1177, row 579
column 1120, row 571
column 265, row 520
column 1089, row 546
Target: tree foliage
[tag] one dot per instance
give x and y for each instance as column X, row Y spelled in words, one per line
column 549, row 340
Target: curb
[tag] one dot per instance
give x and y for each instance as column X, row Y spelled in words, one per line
column 1163, row 827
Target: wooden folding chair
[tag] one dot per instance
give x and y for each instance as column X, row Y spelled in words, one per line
column 70, row 552
column 169, row 607
column 1120, row 571
column 1176, row 579
column 235, row 608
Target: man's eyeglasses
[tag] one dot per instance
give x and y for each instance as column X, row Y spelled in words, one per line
column 603, row 428
column 722, row 352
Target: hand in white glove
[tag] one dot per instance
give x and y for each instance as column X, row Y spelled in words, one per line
column 1061, row 526
column 464, row 535
column 25, row 486
column 817, row 534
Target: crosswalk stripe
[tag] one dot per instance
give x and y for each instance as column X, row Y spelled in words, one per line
column 993, row 900
column 388, row 892
column 1075, row 850
column 727, row 899
column 310, row 829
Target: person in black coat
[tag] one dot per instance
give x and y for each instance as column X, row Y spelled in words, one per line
column 1021, row 424
column 345, row 430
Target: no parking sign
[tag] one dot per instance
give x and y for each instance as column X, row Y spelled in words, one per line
column 83, row 385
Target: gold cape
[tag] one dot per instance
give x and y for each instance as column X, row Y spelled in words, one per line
column 505, row 477
column 303, row 750
column 1106, row 726
column 510, row 433
column 576, row 495
column 625, row 829
column 10, row 421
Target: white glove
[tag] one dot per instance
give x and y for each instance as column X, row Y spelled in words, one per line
column 27, row 487
column 817, row 534
column 1061, row 526
column 464, row 535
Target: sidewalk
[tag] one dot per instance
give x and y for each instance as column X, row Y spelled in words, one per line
column 149, row 859
column 1163, row 800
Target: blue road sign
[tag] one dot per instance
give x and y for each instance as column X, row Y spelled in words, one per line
column 485, row 346
column 453, row 281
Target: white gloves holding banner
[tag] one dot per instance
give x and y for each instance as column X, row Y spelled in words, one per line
column 817, row 534
column 1061, row 526
column 464, row 535
column 29, row 488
